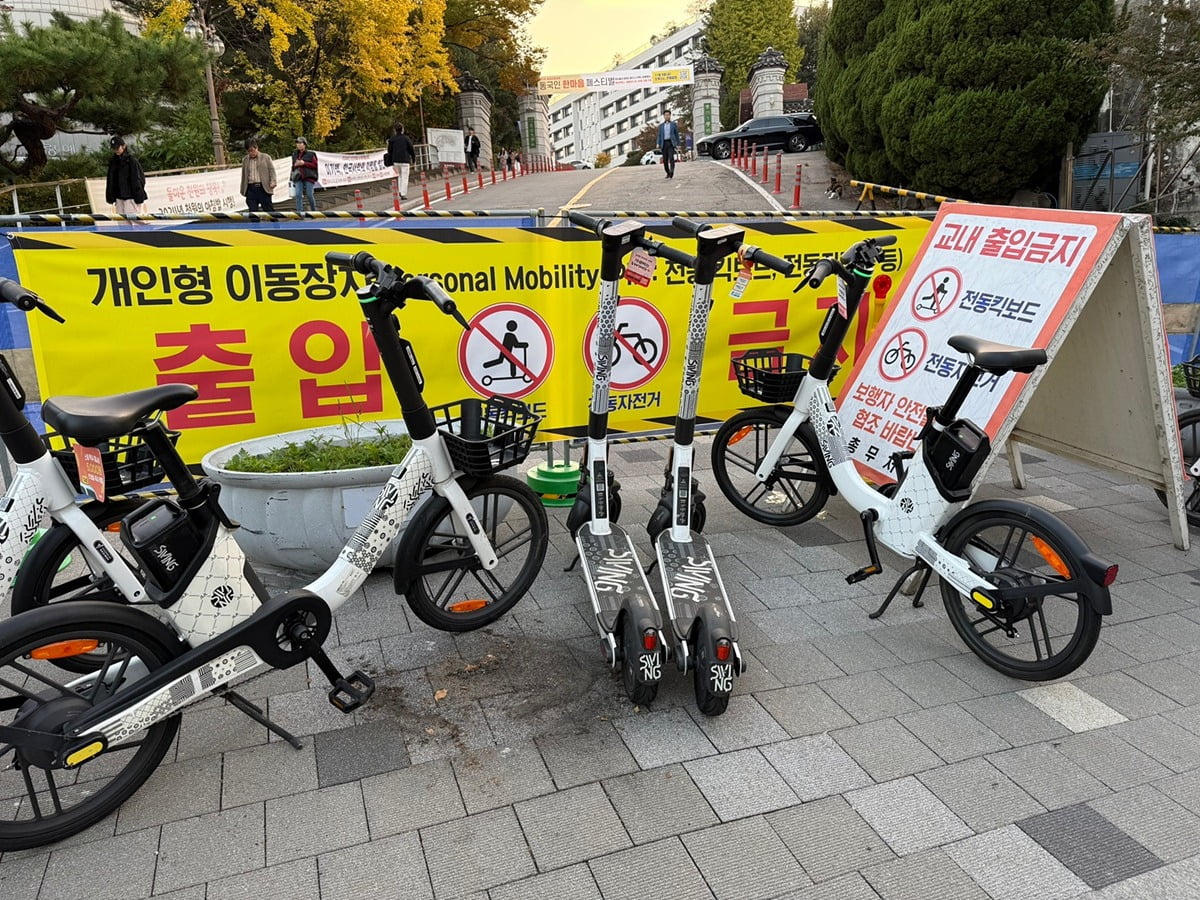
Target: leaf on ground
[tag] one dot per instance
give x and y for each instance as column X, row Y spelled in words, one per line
column 440, row 694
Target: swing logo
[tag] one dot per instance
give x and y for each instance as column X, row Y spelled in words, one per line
column 722, row 678
column 222, row 596
column 651, row 666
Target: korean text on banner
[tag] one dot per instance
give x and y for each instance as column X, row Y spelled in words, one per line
column 274, row 339
column 616, row 80
column 1001, row 273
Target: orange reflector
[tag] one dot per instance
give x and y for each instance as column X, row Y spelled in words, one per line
column 63, row 649
column 466, row 606
column 115, row 527
column 649, row 640
column 1053, row 559
column 739, row 434
column 723, row 649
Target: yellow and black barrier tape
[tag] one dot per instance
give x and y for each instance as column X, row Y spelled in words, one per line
column 904, row 192
column 94, row 218
column 750, row 214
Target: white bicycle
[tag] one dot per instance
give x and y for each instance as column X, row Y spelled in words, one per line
column 1021, row 588
column 74, row 745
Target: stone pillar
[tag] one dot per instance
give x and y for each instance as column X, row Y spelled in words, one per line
column 766, row 83
column 534, row 125
column 706, row 97
column 475, row 111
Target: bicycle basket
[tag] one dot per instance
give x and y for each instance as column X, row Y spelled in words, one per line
column 1191, row 376
column 770, row 375
column 486, row 436
column 128, row 462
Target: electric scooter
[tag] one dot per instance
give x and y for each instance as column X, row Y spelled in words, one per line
column 627, row 614
column 702, row 621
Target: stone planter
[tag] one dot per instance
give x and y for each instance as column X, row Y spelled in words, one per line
column 300, row 520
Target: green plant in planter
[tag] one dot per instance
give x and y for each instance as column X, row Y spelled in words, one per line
column 321, row 454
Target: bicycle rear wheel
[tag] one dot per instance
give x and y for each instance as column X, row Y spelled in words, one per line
column 1044, row 635
column 40, row 801
column 441, row 576
column 795, row 492
column 57, row 569
column 1189, row 443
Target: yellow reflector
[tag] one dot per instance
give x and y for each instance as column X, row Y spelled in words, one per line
column 83, row 754
column 63, row 649
column 1052, row 559
column 982, row 599
column 465, row 606
column 739, row 434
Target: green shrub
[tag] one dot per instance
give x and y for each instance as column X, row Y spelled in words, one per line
column 321, row 454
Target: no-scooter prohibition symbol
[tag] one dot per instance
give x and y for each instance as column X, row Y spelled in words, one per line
column 508, row 351
column 640, row 344
column 938, row 292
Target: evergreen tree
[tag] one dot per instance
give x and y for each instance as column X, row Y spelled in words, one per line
column 971, row 98
column 737, row 31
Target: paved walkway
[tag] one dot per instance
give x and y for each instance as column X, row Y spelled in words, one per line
column 858, row 760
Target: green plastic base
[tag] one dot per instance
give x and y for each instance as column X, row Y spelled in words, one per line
column 557, row 483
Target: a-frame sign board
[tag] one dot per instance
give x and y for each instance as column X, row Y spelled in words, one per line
column 1082, row 285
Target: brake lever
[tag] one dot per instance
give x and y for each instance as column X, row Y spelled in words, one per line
column 45, row 309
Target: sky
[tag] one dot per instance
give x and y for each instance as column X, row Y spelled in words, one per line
column 582, row 36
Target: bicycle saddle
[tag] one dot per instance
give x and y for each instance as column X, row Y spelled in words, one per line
column 91, row 420
column 998, row 358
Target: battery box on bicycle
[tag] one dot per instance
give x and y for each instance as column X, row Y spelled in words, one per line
column 954, row 456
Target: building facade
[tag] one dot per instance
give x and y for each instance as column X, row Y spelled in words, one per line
column 584, row 125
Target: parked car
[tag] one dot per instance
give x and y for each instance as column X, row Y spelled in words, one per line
column 652, row 158
column 791, row 133
column 579, row 164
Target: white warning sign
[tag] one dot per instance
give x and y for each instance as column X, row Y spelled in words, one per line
column 640, row 344
column 508, row 351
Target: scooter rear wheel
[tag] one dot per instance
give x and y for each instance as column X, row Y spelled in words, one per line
column 710, row 700
column 638, row 691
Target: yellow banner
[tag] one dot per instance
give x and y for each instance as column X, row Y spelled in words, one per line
column 274, row 339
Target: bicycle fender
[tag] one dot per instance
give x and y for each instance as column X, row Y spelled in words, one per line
column 1094, row 567
column 402, row 573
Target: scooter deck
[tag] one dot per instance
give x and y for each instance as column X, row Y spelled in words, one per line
column 614, row 575
column 690, row 579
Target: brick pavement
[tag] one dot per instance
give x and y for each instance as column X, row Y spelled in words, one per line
column 858, row 760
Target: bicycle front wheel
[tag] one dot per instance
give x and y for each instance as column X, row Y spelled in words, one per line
column 795, row 491
column 1047, row 633
column 57, row 569
column 40, row 801
column 441, row 576
column 1189, row 443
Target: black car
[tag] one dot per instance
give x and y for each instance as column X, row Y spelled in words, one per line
column 792, row 133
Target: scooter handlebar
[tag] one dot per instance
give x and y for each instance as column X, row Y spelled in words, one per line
column 761, row 257
column 443, row 301
column 589, row 222
column 819, row 272
column 690, row 226
column 666, row 251
column 24, row 299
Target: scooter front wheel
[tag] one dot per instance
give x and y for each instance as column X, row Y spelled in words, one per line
column 439, row 572
column 795, row 491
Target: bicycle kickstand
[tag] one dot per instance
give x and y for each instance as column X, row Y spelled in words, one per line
column 920, row 566
column 238, row 702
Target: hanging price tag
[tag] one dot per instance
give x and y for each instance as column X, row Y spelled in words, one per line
column 640, row 268
column 91, row 470
column 841, row 303
column 743, row 279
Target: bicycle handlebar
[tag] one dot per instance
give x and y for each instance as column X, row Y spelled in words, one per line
column 412, row 287
column 24, row 299
column 827, row 266
column 655, row 248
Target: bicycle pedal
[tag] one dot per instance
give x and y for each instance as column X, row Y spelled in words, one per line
column 863, row 573
column 348, row 694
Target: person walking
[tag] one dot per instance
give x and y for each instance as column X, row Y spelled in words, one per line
column 666, row 141
column 258, row 178
column 471, row 145
column 304, row 175
column 126, row 185
column 402, row 153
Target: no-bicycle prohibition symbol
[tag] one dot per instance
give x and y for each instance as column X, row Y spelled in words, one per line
column 640, row 344
column 508, row 351
column 902, row 353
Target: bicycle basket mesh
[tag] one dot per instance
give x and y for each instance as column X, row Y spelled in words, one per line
column 128, row 462
column 771, row 375
column 1191, row 376
column 486, row 436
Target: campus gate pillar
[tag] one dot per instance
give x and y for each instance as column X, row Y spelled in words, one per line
column 474, row 103
column 766, row 83
column 534, row 125
column 706, row 97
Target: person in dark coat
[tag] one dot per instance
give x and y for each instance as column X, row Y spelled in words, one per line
column 402, row 154
column 126, row 186
column 304, row 175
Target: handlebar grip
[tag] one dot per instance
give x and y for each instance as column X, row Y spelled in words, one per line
column 589, row 222
column 435, row 292
column 761, row 257
column 341, row 260
column 15, row 293
column 819, row 272
column 884, row 240
column 689, row 226
column 666, row 251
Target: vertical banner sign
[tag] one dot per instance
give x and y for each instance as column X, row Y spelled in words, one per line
column 1005, row 274
column 531, row 132
column 274, row 340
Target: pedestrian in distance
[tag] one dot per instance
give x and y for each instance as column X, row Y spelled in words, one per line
column 471, row 145
column 666, row 140
column 126, row 185
column 402, row 153
column 304, row 175
column 258, row 178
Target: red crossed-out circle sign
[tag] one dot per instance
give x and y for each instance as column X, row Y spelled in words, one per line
column 640, row 344
column 508, row 351
column 902, row 354
column 937, row 293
